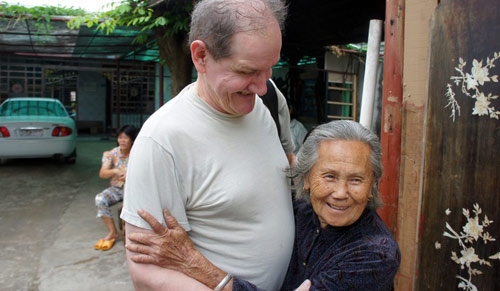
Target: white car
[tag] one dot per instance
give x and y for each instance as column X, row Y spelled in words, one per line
column 34, row 127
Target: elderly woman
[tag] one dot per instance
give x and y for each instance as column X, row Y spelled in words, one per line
column 340, row 241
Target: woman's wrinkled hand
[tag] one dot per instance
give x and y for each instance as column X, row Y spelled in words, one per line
column 167, row 247
column 304, row 286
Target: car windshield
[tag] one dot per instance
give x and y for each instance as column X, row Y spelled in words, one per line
column 32, row 108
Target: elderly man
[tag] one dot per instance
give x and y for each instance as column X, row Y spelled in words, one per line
column 213, row 157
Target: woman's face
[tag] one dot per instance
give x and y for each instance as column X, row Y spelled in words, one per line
column 340, row 182
column 124, row 142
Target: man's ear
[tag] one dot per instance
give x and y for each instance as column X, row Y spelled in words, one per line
column 199, row 54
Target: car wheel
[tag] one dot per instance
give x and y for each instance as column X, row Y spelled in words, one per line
column 71, row 159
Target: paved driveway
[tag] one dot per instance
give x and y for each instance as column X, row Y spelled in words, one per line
column 48, row 226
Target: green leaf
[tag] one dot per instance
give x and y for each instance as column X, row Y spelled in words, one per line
column 161, row 21
column 124, row 8
column 77, row 22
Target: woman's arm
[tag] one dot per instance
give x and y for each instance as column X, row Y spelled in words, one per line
column 367, row 266
column 172, row 248
column 152, row 277
column 107, row 171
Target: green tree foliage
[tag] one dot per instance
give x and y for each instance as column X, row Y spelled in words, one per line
column 163, row 21
column 41, row 14
column 169, row 15
column 168, row 20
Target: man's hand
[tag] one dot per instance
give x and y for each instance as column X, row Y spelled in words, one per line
column 168, row 247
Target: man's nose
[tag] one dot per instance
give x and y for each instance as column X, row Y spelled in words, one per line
column 259, row 84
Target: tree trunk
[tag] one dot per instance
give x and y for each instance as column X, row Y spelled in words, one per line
column 175, row 51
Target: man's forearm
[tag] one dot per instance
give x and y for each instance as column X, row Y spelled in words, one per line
column 151, row 277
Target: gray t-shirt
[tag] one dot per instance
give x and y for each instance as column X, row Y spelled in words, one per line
column 222, row 178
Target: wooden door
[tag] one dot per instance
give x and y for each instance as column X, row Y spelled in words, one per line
column 459, row 235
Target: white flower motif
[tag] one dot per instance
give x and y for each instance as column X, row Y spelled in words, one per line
column 487, row 221
column 479, row 72
column 481, row 106
column 495, row 256
column 473, row 228
column 487, row 237
column 470, row 81
column 447, row 211
column 461, row 62
column 477, row 209
column 470, row 84
column 468, row 256
column 452, row 103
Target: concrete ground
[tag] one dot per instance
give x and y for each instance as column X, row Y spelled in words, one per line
column 48, row 225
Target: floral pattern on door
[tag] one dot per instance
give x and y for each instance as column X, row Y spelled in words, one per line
column 472, row 233
column 471, row 86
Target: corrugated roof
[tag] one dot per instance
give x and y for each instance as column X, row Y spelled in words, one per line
column 29, row 37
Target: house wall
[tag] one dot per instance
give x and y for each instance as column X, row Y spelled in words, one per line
column 166, row 85
column 341, row 64
column 415, row 96
column 167, row 76
column 91, row 96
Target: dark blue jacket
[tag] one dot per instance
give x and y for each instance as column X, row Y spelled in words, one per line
column 361, row 256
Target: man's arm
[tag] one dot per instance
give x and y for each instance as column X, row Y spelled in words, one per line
column 172, row 248
column 284, row 119
column 152, row 277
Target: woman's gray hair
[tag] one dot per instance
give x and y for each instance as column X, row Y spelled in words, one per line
column 215, row 21
column 336, row 130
